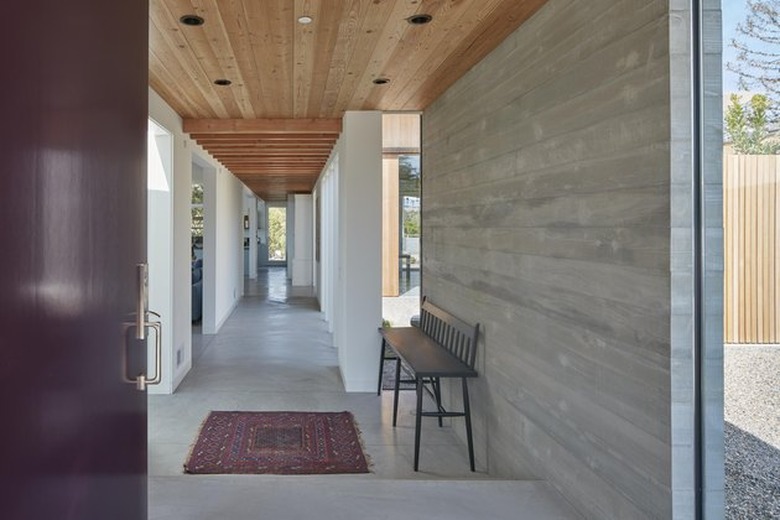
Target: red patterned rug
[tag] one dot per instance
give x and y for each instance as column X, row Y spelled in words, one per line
column 282, row 443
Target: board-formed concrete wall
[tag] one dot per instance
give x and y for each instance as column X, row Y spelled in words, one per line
column 546, row 218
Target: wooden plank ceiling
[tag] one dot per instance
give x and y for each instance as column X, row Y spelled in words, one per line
column 275, row 124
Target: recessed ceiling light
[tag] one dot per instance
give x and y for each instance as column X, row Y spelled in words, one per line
column 305, row 20
column 222, row 82
column 192, row 20
column 419, row 19
column 381, row 81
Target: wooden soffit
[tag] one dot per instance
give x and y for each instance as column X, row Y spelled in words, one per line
column 282, row 71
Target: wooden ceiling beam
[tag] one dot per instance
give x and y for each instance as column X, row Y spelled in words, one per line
column 319, row 136
column 239, row 167
column 234, row 167
column 296, row 145
column 269, row 151
column 254, row 126
column 280, row 170
column 237, row 159
column 253, row 177
column 281, row 173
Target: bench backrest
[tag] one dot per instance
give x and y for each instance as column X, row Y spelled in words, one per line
column 450, row 332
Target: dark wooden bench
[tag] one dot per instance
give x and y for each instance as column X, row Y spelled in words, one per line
column 443, row 346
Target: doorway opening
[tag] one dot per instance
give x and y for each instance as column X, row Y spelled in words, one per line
column 277, row 235
column 751, row 281
column 401, row 233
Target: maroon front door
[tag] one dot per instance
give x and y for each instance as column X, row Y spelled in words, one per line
column 72, row 229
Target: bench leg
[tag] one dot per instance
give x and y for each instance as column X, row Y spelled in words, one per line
column 418, row 424
column 436, row 383
column 395, row 389
column 381, row 367
column 467, row 412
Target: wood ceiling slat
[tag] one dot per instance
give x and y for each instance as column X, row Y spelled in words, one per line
column 259, row 146
column 427, row 46
column 266, row 137
column 271, row 29
column 198, row 52
column 176, row 69
column 256, row 150
column 278, row 178
column 292, row 153
column 286, row 162
column 304, row 57
column 429, row 83
column 249, row 173
column 278, row 126
column 348, row 28
column 373, row 18
column 226, row 35
column 323, row 51
column 389, row 37
column 163, row 82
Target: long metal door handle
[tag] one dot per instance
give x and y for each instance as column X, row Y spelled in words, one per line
column 142, row 281
column 140, row 324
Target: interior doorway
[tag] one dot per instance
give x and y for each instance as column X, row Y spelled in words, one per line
column 401, row 225
column 277, row 235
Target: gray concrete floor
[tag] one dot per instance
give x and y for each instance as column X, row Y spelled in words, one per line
column 274, row 353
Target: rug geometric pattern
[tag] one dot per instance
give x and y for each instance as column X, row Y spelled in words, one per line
column 282, row 443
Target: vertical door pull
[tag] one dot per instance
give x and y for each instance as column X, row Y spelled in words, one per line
column 140, row 323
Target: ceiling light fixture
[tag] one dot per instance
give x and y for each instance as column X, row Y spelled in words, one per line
column 381, row 81
column 222, row 82
column 305, row 20
column 192, row 20
column 419, row 19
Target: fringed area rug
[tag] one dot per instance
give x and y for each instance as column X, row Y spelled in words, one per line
column 282, row 443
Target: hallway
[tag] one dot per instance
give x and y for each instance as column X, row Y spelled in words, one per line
column 274, row 353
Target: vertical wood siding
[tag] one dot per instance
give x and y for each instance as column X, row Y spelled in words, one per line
column 752, row 270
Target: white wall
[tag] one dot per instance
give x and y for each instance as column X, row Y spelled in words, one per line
column 303, row 236
column 355, row 233
column 228, row 208
column 229, row 245
column 178, row 319
column 160, row 249
column 290, row 231
column 326, row 191
column 208, row 174
column 250, row 210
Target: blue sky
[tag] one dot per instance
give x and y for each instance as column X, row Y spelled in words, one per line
column 733, row 13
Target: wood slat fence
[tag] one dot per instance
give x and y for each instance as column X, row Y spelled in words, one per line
column 751, row 216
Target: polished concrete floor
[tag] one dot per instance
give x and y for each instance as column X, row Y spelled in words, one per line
column 274, row 353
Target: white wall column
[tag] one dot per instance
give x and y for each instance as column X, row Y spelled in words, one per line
column 250, row 211
column 359, row 303
column 303, row 225
column 290, row 232
column 209, row 319
column 160, row 248
column 177, row 343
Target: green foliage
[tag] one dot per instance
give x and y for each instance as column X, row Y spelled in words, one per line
column 197, row 210
column 747, row 126
column 197, row 194
column 277, row 233
column 409, row 175
column 411, row 223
